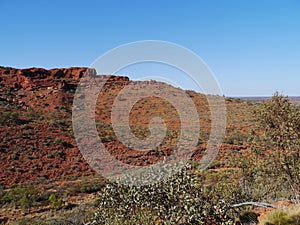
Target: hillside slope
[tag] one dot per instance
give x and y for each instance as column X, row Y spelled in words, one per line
column 37, row 141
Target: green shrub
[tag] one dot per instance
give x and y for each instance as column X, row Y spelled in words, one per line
column 182, row 199
column 272, row 171
column 280, row 217
column 50, row 156
column 59, row 154
column 21, row 196
column 9, row 118
column 56, row 202
column 57, row 140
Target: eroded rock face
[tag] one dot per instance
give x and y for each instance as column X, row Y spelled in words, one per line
column 72, row 73
column 36, row 78
column 48, row 89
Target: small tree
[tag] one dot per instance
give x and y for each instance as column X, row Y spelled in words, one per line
column 274, row 159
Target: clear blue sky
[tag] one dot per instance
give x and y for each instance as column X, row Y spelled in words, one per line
column 253, row 47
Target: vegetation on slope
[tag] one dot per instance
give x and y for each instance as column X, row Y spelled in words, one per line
column 38, row 147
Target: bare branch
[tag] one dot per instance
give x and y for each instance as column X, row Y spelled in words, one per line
column 260, row 204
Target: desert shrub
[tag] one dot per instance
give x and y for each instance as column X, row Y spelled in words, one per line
column 56, row 202
column 236, row 139
column 182, row 199
column 75, row 216
column 15, row 156
column 203, row 137
column 57, row 141
column 50, row 156
column 86, row 186
column 59, row 154
column 270, row 169
column 9, row 118
column 106, row 132
column 21, row 196
column 247, row 217
column 48, row 221
column 90, row 188
column 280, row 217
column 2, row 194
column 26, row 221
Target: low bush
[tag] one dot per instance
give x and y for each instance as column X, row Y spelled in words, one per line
column 21, row 196
column 182, row 199
column 247, row 217
column 9, row 118
column 280, row 217
column 56, row 202
column 236, row 139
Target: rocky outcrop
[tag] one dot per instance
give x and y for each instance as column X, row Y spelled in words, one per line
column 48, row 89
column 36, row 78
